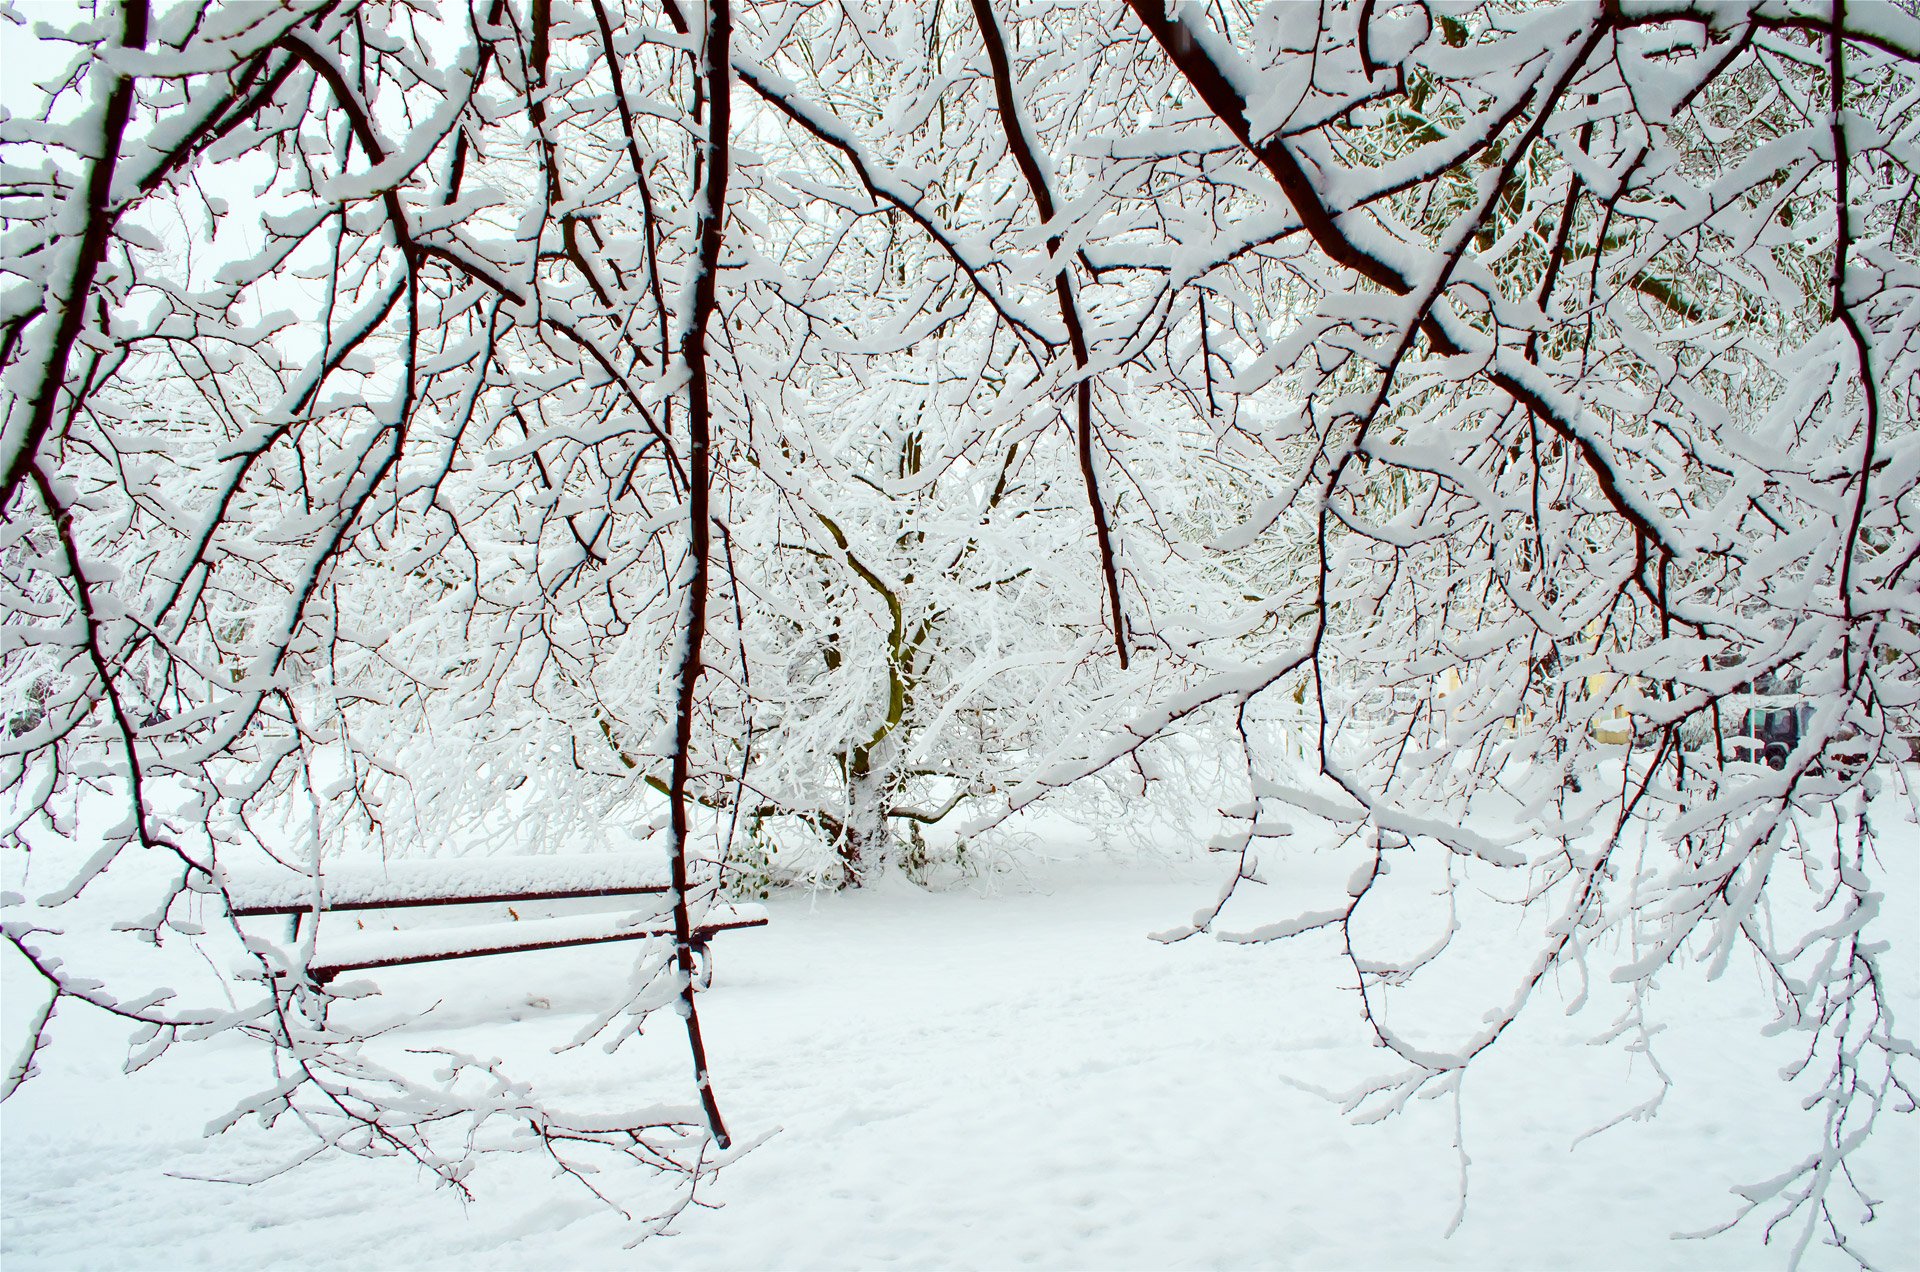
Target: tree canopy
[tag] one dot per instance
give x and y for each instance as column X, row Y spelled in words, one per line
column 774, row 428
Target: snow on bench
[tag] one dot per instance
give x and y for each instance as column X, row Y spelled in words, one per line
column 398, row 885
column 445, row 881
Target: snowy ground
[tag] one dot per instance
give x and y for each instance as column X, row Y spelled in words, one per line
column 1014, row 1080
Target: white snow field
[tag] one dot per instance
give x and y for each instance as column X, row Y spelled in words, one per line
column 1009, row 1080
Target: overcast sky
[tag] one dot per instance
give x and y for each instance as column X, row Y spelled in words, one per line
column 23, row 59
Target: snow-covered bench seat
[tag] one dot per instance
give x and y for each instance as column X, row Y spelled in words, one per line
column 401, row 885
column 444, row 881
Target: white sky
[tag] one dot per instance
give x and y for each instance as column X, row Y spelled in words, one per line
column 23, row 59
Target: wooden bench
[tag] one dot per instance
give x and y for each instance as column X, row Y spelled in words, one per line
column 411, row 884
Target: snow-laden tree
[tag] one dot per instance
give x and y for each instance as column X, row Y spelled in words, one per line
column 1591, row 386
column 417, row 439
column 479, row 430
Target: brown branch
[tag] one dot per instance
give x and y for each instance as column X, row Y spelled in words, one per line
column 362, row 124
column 780, row 96
column 711, row 231
column 639, row 173
column 1183, row 49
column 1870, row 400
column 1021, row 147
column 91, row 255
column 1224, row 100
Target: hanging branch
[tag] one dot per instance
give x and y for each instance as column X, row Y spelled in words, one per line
column 710, row 229
column 1014, row 122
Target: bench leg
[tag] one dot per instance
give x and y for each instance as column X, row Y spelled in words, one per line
column 702, row 966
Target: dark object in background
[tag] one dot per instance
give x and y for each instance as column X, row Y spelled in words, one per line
column 1776, row 729
column 1778, row 732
